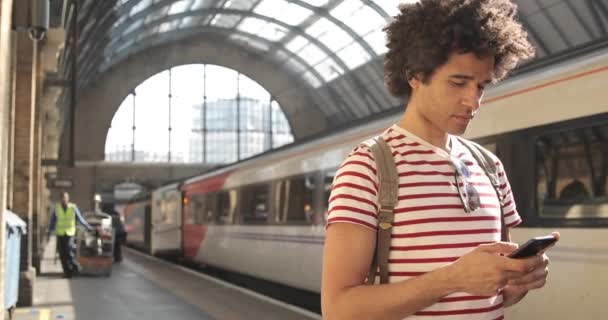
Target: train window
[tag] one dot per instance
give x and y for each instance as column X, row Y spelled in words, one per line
column 296, row 204
column 254, row 205
column 188, row 213
column 327, row 184
column 211, row 208
column 226, row 206
column 197, row 208
column 328, row 181
column 167, row 208
column 572, row 168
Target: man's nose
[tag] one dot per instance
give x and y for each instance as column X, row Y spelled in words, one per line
column 472, row 99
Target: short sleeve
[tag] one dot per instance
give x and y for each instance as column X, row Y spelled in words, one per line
column 511, row 215
column 354, row 194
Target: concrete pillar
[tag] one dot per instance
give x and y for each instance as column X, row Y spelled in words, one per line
column 36, row 168
column 23, row 179
column 6, row 7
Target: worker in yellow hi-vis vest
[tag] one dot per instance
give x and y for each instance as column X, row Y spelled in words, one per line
column 63, row 222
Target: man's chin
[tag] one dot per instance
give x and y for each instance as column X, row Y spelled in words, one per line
column 457, row 131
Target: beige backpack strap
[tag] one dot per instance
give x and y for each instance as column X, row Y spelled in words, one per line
column 485, row 160
column 388, row 187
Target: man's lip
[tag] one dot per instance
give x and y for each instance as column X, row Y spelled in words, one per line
column 464, row 116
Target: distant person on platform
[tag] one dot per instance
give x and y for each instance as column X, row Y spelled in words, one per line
column 119, row 230
column 97, row 213
column 63, row 222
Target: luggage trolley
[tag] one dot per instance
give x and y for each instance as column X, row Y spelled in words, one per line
column 95, row 249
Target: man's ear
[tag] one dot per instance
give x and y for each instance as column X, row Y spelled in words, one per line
column 415, row 81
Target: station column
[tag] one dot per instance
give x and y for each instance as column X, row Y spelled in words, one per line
column 25, row 83
column 5, row 106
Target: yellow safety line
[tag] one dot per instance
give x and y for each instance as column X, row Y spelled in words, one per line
column 45, row 314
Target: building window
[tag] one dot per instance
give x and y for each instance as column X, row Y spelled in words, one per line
column 196, row 114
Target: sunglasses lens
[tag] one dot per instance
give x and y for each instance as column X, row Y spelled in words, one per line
column 461, row 167
column 473, row 197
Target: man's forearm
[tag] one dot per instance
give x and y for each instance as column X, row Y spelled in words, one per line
column 392, row 301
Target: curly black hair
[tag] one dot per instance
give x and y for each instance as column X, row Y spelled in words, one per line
column 424, row 34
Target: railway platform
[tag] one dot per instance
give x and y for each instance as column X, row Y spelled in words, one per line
column 143, row 287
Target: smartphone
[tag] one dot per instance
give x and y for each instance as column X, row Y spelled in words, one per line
column 532, row 247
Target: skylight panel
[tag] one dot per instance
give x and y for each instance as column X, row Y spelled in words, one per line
column 377, row 40
column 132, row 27
column 391, row 6
column 244, row 5
column 252, row 25
column 225, row 20
column 329, row 69
column 365, row 20
column 284, row 11
column 311, row 54
column 270, row 8
column 320, row 27
column 198, row 4
column 168, row 26
column 156, row 14
column 273, row 32
column 346, row 9
column 188, row 22
column 139, row 7
column 297, row 44
column 294, row 14
column 179, row 7
column 335, row 38
column 120, row 21
column 354, row 56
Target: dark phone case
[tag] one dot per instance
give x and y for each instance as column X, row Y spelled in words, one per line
column 532, row 247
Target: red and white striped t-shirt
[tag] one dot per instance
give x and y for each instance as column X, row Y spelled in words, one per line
column 431, row 228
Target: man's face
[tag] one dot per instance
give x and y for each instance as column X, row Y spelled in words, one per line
column 449, row 100
column 65, row 198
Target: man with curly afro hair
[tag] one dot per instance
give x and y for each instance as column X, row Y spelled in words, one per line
column 449, row 240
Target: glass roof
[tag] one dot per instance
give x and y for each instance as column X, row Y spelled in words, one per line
column 335, row 46
column 326, row 37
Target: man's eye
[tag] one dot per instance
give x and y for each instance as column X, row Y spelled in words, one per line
column 458, row 84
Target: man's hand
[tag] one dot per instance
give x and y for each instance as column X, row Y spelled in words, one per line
column 486, row 269
column 533, row 279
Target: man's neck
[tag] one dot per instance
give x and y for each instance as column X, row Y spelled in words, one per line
column 417, row 124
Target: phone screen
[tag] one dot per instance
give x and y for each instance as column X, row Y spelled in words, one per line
column 532, row 247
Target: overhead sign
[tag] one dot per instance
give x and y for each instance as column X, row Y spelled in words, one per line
column 59, row 183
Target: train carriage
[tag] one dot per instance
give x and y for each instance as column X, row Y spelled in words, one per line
column 166, row 221
column 136, row 214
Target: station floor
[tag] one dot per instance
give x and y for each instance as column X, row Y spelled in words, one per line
column 142, row 287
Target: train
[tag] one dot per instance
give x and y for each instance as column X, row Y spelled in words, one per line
column 265, row 216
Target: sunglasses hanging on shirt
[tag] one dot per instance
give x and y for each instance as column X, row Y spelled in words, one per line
column 468, row 194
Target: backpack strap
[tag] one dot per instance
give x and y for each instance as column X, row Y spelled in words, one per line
column 388, row 187
column 485, row 160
